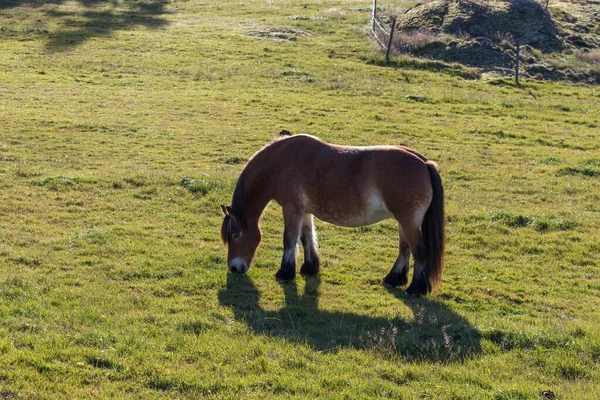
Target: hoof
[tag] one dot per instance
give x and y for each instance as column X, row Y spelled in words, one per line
column 310, row 269
column 414, row 293
column 394, row 280
column 418, row 288
column 283, row 276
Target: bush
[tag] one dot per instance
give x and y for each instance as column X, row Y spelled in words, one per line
column 418, row 41
column 590, row 57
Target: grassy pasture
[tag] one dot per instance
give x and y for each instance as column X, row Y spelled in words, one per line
column 124, row 124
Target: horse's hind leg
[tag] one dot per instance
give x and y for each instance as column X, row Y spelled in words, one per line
column 309, row 242
column 398, row 276
column 293, row 223
column 420, row 281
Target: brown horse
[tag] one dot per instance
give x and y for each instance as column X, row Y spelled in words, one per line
column 342, row 185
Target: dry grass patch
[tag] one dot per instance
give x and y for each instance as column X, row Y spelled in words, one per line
column 591, row 57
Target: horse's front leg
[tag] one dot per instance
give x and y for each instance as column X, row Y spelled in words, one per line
column 293, row 223
column 309, row 242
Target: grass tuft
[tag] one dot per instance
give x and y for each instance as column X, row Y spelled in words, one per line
column 58, row 183
column 201, row 187
column 541, row 223
column 102, row 363
column 586, row 170
column 233, row 160
column 573, row 370
column 195, row 327
column 95, row 235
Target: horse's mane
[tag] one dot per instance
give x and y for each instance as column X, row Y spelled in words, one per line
column 226, row 230
column 237, row 202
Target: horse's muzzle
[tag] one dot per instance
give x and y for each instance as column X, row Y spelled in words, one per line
column 238, row 266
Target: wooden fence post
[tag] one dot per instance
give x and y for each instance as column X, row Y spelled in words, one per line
column 374, row 14
column 517, row 63
column 389, row 46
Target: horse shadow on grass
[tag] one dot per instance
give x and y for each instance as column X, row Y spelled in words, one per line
column 434, row 333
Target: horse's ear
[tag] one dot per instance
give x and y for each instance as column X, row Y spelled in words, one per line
column 228, row 212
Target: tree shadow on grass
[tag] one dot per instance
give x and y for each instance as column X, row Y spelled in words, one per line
column 434, row 333
column 93, row 18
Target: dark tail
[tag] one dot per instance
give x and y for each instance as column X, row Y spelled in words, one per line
column 434, row 230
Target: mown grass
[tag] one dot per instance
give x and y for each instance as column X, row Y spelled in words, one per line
column 121, row 132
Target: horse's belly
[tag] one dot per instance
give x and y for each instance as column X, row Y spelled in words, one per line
column 351, row 215
column 358, row 220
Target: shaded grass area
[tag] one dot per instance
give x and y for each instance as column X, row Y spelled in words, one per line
column 590, row 167
column 116, row 152
column 65, row 24
column 427, row 65
column 434, row 332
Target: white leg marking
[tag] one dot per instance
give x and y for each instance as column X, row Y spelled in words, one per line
column 309, row 235
column 289, row 255
column 401, row 264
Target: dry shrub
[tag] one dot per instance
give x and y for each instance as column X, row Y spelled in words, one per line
column 413, row 41
column 499, row 37
column 591, row 57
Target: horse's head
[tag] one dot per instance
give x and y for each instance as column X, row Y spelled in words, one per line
column 241, row 240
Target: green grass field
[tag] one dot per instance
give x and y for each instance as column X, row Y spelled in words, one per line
column 125, row 123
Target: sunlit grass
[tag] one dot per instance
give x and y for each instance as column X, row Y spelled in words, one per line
column 119, row 140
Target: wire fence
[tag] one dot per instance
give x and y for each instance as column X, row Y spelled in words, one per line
column 381, row 34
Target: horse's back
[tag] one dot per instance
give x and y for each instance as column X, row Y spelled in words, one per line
column 350, row 185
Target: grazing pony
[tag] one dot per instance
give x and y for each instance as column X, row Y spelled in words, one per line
column 342, row 185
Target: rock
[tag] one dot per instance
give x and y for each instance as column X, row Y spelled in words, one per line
column 539, row 69
column 578, row 41
column 486, row 32
column 478, row 30
column 527, row 48
column 474, row 53
column 525, row 19
column 545, row 72
column 436, row 44
column 482, row 40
